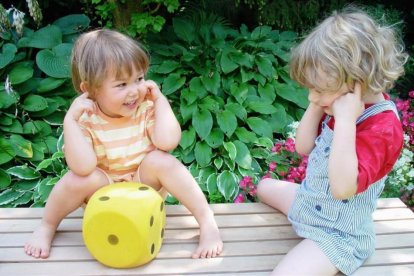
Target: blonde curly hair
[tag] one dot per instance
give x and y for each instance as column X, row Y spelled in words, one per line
column 349, row 47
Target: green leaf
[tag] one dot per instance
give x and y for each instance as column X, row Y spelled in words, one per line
column 231, row 149
column 37, row 127
column 8, row 196
column 260, row 32
column 167, row 67
column 21, row 146
column 7, row 54
column 210, row 103
column 265, row 67
column 227, row 65
column 262, row 107
column 172, row 83
column 25, row 185
column 227, row 122
column 52, row 107
column 227, row 184
column 24, row 172
column 73, row 23
column 260, row 126
column 49, row 84
column 239, row 91
column 22, row 200
column 212, row 183
column 237, row 109
column 218, row 162
column 292, row 94
column 34, row 103
column 55, row 62
column 197, row 87
column 15, row 127
column 265, row 142
column 5, row 179
column 202, row 123
column 189, row 95
column 6, row 99
column 7, row 152
column 21, row 72
column 45, row 38
column 211, row 81
column 203, row 153
column 243, row 158
column 267, row 92
column 215, row 138
column 187, row 138
column 45, row 187
column 184, row 29
column 187, row 110
column 204, row 174
column 245, row 136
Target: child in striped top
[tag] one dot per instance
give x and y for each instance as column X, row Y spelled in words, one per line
column 120, row 128
column 353, row 136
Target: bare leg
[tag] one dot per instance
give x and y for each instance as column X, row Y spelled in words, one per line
column 160, row 169
column 277, row 194
column 67, row 195
column 312, row 261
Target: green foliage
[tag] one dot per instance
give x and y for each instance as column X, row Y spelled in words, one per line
column 136, row 18
column 232, row 94
column 35, row 92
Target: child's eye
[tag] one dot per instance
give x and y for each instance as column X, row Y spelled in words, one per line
column 121, row 85
column 139, row 79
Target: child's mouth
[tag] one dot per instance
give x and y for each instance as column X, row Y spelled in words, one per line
column 131, row 103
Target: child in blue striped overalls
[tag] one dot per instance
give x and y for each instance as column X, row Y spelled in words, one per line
column 353, row 137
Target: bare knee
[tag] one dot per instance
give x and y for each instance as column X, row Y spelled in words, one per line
column 159, row 161
column 84, row 184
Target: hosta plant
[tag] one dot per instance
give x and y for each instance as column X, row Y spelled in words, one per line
column 232, row 94
column 35, row 90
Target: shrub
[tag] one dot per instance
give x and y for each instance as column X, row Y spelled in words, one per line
column 34, row 95
column 232, row 94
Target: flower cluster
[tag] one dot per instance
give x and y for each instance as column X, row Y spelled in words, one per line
column 401, row 178
column 284, row 163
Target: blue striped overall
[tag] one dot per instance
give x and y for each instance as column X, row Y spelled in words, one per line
column 343, row 229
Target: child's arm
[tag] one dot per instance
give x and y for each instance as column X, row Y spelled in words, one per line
column 343, row 160
column 308, row 129
column 166, row 133
column 79, row 154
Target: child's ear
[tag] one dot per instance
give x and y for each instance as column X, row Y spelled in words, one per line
column 84, row 87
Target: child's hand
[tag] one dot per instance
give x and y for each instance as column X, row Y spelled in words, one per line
column 150, row 91
column 80, row 105
column 350, row 105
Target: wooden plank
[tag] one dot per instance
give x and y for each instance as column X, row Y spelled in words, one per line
column 187, row 266
column 389, row 270
column 174, row 210
column 180, row 222
column 184, row 249
column 156, row 267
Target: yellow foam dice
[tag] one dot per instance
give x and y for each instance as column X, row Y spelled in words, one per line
column 123, row 224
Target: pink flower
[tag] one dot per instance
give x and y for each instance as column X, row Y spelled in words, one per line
column 290, row 145
column 411, row 94
column 277, row 147
column 272, row 166
column 239, row 198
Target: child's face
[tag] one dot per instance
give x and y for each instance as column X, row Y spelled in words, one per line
column 120, row 97
column 326, row 97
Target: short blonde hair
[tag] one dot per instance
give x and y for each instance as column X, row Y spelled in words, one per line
column 98, row 52
column 349, row 47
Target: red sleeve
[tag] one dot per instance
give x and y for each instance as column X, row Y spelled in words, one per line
column 379, row 140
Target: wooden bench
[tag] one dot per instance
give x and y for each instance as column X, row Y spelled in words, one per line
column 256, row 237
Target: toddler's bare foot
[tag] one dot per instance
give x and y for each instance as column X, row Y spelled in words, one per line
column 210, row 244
column 39, row 243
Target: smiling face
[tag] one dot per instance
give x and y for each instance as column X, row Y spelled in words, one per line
column 119, row 96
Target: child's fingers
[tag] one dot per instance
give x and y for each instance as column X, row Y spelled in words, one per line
column 357, row 90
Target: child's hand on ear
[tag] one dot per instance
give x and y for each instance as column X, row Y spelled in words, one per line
column 350, row 105
column 151, row 90
column 80, row 105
